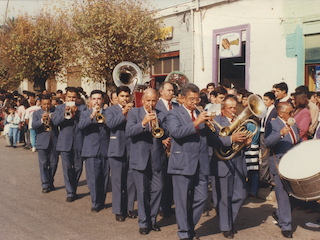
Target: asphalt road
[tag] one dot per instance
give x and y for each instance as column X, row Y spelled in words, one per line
column 26, row 213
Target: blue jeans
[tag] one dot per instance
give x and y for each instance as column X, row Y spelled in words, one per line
column 33, row 137
column 13, row 134
column 254, row 182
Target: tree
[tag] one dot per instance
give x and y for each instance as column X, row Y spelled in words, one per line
column 113, row 31
column 37, row 48
column 8, row 78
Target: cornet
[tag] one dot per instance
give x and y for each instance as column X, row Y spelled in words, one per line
column 210, row 123
column 99, row 117
column 47, row 127
column 156, row 131
column 68, row 114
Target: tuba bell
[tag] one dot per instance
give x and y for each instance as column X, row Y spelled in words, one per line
column 255, row 107
column 127, row 74
column 177, row 79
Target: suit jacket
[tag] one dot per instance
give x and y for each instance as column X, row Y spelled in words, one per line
column 279, row 145
column 43, row 137
column 188, row 150
column 273, row 114
column 70, row 134
column 116, row 121
column 96, row 135
column 221, row 168
column 143, row 143
column 161, row 107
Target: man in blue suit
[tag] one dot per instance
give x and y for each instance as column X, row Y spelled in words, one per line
column 95, row 150
column 147, row 159
column 268, row 99
column 119, row 145
column 70, row 141
column 46, row 144
column 188, row 161
column 229, row 176
column 164, row 105
column 280, row 138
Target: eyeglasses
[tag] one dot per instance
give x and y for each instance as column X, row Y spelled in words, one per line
column 194, row 99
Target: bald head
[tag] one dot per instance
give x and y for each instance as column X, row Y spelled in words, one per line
column 149, row 91
column 284, row 110
column 149, row 99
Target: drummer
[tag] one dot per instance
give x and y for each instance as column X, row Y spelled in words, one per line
column 280, row 137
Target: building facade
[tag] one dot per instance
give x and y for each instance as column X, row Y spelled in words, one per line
column 267, row 42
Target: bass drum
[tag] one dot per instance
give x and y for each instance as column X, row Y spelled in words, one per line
column 300, row 169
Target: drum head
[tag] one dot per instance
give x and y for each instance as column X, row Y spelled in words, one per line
column 302, row 161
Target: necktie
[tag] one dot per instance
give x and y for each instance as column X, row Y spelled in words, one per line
column 193, row 119
column 293, row 136
column 126, row 113
column 170, row 106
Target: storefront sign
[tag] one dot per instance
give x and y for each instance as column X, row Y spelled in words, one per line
column 230, row 45
column 317, row 77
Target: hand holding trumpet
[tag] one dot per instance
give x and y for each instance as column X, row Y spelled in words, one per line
column 127, row 107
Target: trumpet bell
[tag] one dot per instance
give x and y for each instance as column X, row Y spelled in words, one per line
column 127, row 74
column 67, row 115
column 100, row 118
column 157, row 132
column 47, row 128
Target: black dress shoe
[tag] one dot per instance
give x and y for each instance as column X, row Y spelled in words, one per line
column 95, row 209
column 156, row 228
column 144, row 231
column 71, row 199
column 287, row 234
column 45, row 190
column 120, row 218
column 194, row 235
column 131, row 214
column 228, row 234
column 275, row 216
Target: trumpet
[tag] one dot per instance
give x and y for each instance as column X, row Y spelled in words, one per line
column 156, row 131
column 47, row 127
column 68, row 114
column 210, row 123
column 99, row 117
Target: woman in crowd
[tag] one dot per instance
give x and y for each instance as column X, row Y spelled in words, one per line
column 301, row 113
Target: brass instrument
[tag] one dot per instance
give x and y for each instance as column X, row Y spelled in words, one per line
column 156, row 131
column 255, row 107
column 210, row 123
column 99, row 117
column 47, row 127
column 177, row 79
column 68, row 114
column 291, row 121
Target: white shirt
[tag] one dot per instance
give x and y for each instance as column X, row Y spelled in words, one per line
column 29, row 114
column 284, row 99
column 166, row 103
column 189, row 111
column 262, row 129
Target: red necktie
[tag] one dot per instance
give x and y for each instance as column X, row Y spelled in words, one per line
column 126, row 113
column 193, row 119
column 170, row 106
column 293, row 136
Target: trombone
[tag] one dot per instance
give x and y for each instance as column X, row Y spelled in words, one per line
column 47, row 127
column 156, row 131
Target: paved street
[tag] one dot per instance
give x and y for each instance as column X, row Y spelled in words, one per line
column 26, row 213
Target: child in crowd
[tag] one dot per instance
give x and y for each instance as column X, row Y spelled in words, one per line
column 13, row 120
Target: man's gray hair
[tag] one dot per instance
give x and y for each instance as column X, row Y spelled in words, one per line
column 163, row 84
column 189, row 87
column 282, row 106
